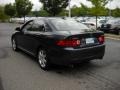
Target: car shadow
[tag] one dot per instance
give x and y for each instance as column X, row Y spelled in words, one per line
column 81, row 67
column 3, row 53
column 60, row 69
column 1, row 85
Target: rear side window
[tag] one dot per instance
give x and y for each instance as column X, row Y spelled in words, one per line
column 47, row 27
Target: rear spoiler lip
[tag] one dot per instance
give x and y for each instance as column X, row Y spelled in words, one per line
column 90, row 34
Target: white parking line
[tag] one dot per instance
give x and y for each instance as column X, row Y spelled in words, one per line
column 112, row 38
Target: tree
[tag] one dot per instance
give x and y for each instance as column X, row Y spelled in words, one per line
column 75, row 11
column 23, row 7
column 3, row 16
column 9, row 10
column 54, row 7
column 35, row 13
column 116, row 12
column 63, row 13
column 98, row 7
column 80, row 11
column 83, row 10
column 41, row 13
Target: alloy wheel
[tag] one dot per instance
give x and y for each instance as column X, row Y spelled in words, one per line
column 14, row 46
column 42, row 59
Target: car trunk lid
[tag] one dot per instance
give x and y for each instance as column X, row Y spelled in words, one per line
column 87, row 39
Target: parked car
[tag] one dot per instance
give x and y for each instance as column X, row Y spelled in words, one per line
column 100, row 22
column 80, row 19
column 90, row 25
column 112, row 26
column 58, row 41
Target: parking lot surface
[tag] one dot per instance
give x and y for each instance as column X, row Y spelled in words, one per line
column 19, row 71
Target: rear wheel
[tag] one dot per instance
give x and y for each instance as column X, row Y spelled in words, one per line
column 43, row 59
column 118, row 33
column 14, row 45
column 86, row 61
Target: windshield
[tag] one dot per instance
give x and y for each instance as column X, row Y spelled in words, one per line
column 68, row 25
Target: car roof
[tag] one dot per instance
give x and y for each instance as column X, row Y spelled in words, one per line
column 53, row 18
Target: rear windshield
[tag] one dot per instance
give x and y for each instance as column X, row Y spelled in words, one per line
column 68, row 25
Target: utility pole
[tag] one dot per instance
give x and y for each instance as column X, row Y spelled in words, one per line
column 69, row 9
column 109, row 7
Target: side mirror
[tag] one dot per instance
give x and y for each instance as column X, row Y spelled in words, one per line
column 18, row 29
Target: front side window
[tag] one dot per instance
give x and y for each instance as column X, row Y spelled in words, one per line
column 28, row 26
column 36, row 26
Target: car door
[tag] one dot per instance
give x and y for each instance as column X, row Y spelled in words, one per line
column 21, row 37
column 34, row 36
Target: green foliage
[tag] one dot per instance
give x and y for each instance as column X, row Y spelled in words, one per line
column 3, row 17
column 41, row 13
column 116, row 12
column 98, row 7
column 9, row 10
column 75, row 11
column 63, row 13
column 23, row 7
column 101, row 11
column 54, row 7
column 80, row 11
column 35, row 13
column 84, row 10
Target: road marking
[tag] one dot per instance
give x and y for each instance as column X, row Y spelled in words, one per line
column 113, row 38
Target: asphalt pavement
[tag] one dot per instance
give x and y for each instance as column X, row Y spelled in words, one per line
column 19, row 71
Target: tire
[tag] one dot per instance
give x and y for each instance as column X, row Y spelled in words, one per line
column 14, row 45
column 86, row 61
column 43, row 59
column 118, row 32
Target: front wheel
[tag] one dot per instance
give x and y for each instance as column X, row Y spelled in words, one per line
column 43, row 59
column 14, row 45
column 118, row 33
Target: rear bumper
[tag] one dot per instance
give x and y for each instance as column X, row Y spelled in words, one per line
column 70, row 56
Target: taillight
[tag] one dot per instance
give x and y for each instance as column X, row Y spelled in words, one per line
column 101, row 39
column 68, row 43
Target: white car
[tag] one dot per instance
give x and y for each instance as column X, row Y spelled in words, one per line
column 91, row 25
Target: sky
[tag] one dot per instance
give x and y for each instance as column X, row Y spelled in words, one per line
column 37, row 4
